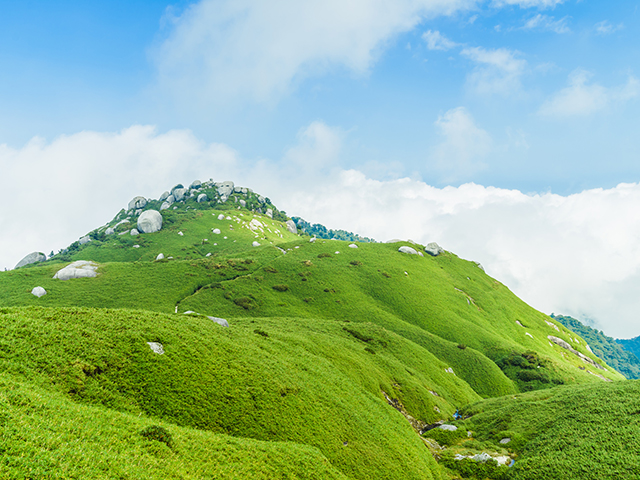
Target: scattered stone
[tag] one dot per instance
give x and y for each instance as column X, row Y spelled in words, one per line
column 505, row 440
column 136, row 203
column 136, row 246
column 171, row 199
column 552, row 325
column 216, row 231
column 38, row 292
column 518, row 322
column 449, row 370
column 448, row 428
column 78, row 269
column 150, row 221
column 433, row 249
column 481, row 457
column 225, row 189
column 409, row 250
column 337, row 253
column 110, row 231
column 195, row 185
column 221, row 216
column 255, row 244
column 164, row 206
column 269, row 213
column 134, row 232
column 261, row 199
column 208, row 254
column 156, row 347
column 527, row 333
column 243, row 203
column 179, row 193
column 219, row 321
column 181, row 234
column 124, row 233
column 84, row 240
column 313, row 240
column 203, row 198
column 353, row 245
column 164, row 196
column 291, row 226
column 589, row 349
column 160, row 256
column 565, row 345
column 34, row 257
column 393, row 240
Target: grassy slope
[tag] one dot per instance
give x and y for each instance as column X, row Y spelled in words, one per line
column 43, row 434
column 574, row 433
column 308, row 382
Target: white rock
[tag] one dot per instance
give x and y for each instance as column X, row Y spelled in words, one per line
column 84, row 240
column 109, row 231
column 221, row 216
column 203, row 198
column 156, row 347
column 269, row 213
column 78, row 269
column 505, row 440
column 527, row 333
column 216, row 231
column 219, row 321
column 165, row 205
column 196, row 184
column 124, row 233
column 150, row 221
column 181, row 234
column 243, row 203
column 227, row 218
column 409, row 250
column 208, row 254
column 481, row 457
column 38, row 292
column 312, row 240
column 291, row 226
column 137, row 202
column 135, row 232
column 337, row 253
column 179, row 193
column 255, row 244
column 171, row 199
column 433, row 249
column 160, row 256
column 136, row 246
column 164, row 196
column 353, row 245
column 34, row 257
column 225, row 188
column 448, row 428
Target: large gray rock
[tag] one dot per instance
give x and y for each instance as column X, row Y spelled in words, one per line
column 164, row 206
column 448, row 428
column 137, row 202
column 84, row 240
column 225, row 188
column 34, row 257
column 196, row 184
column 150, row 221
column 164, row 196
column 243, row 203
column 433, row 249
column 38, row 292
column 219, row 321
column 269, row 213
column 179, row 193
column 203, row 198
column 409, row 250
column 79, row 269
column 134, row 232
column 170, row 199
column 291, row 226
column 110, row 231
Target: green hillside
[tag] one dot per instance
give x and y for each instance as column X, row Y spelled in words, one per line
column 614, row 352
column 338, row 354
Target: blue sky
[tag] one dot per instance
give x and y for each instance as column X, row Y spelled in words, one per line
column 507, row 130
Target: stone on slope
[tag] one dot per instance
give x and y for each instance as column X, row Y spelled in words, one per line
column 164, row 196
column 255, row 244
column 291, row 226
column 160, row 256
column 409, row 250
column 78, row 269
column 171, row 199
column 156, row 347
column 164, row 206
column 243, row 203
column 196, row 184
column 84, row 240
column 353, row 245
column 433, row 249
column 137, row 202
column 221, row 216
column 219, row 321
column 203, row 198
column 216, row 231
column 110, row 231
column 269, row 213
column 225, row 188
column 448, row 428
column 34, row 257
column 134, row 232
column 150, row 221
column 38, row 292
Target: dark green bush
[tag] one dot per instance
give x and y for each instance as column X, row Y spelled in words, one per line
column 280, row 288
column 160, row 434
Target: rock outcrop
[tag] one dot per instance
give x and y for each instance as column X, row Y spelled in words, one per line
column 150, row 221
column 565, row 345
column 291, row 226
column 409, row 250
column 78, row 269
column 136, row 203
column 34, row 257
column 219, row 321
column 433, row 249
column 38, row 292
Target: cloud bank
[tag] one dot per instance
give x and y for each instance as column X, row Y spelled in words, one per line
column 576, row 255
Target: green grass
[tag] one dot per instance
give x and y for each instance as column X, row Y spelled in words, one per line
column 581, row 432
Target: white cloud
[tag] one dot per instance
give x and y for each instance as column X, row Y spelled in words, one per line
column 577, row 255
column 497, row 71
column 229, row 49
column 545, row 22
column 581, row 98
column 605, row 27
column 542, row 4
column 464, row 146
column 436, row 41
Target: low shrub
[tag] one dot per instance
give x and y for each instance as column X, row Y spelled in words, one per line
column 160, row 434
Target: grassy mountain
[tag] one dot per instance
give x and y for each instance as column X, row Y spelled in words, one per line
column 614, row 352
column 337, row 357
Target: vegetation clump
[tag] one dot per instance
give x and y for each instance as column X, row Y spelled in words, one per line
column 160, row 434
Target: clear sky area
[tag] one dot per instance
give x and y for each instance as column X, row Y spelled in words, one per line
column 506, row 130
